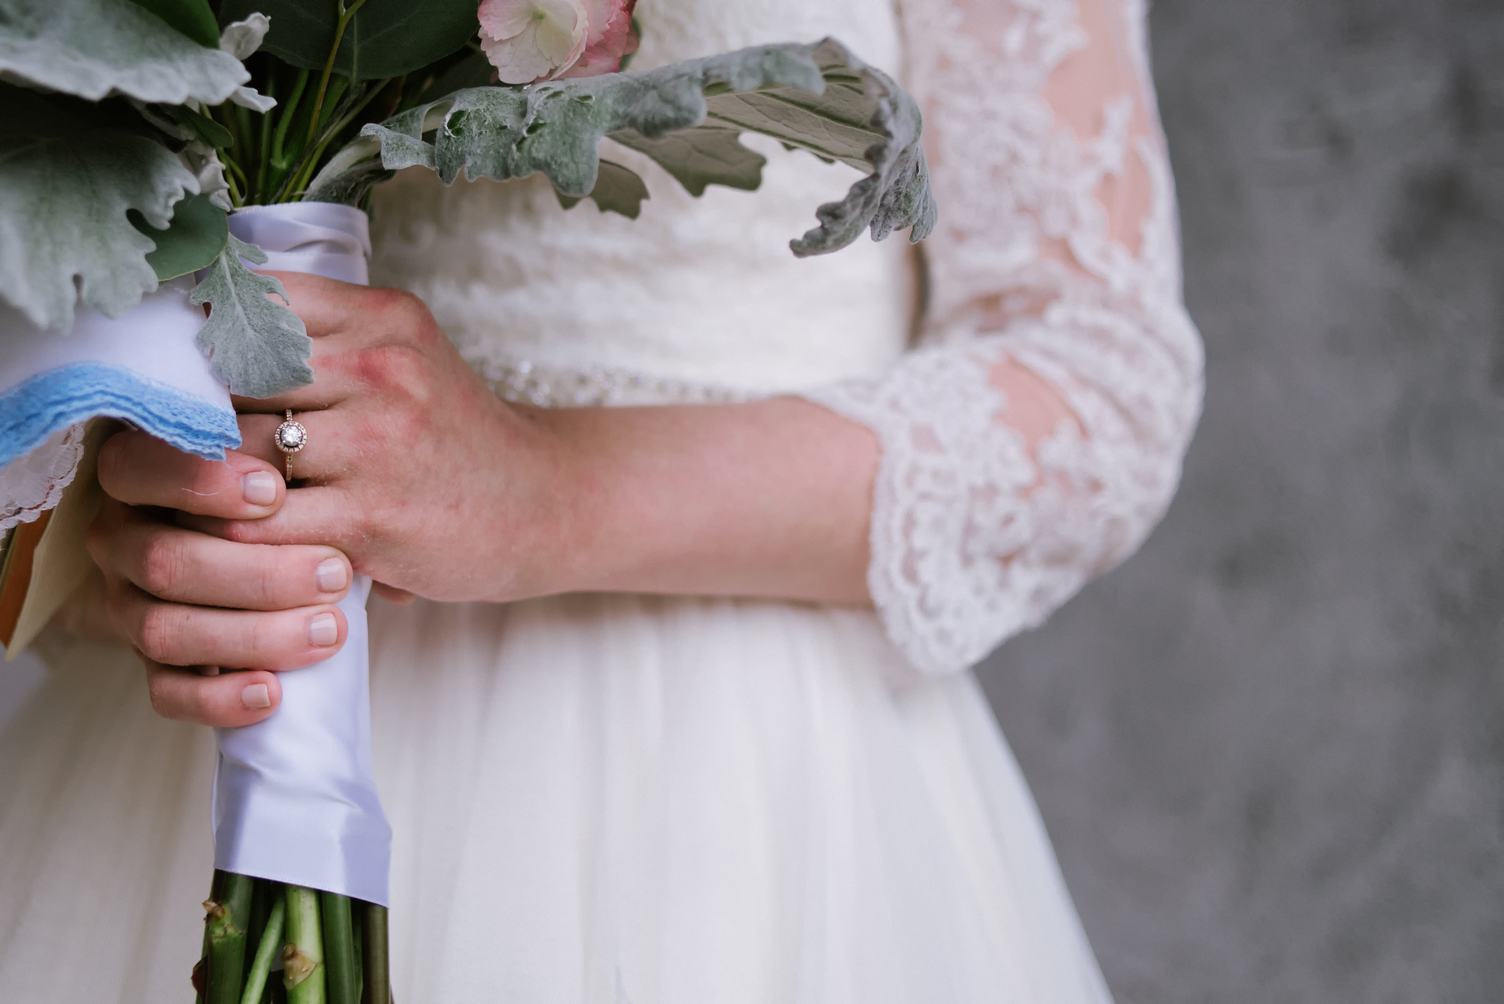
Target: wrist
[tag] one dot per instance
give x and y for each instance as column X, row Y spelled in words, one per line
column 765, row 498
column 555, row 547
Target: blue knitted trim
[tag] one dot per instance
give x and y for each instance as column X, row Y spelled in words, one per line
column 55, row 399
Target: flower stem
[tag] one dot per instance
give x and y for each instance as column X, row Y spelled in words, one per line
column 339, row 949
column 266, row 951
column 377, row 985
column 228, row 916
column 303, row 955
column 346, row 15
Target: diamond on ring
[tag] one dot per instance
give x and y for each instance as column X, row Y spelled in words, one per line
column 290, row 437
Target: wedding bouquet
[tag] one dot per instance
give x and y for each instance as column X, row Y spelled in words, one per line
column 153, row 151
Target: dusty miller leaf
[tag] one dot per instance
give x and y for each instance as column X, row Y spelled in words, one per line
column 65, row 227
column 92, row 48
column 617, row 190
column 256, row 345
column 702, row 156
column 685, row 116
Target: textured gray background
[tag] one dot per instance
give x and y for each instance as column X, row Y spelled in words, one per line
column 1269, row 747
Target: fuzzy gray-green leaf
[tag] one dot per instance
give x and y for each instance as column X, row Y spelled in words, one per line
column 702, row 156
column 65, row 227
column 685, row 116
column 92, row 48
column 256, row 345
column 617, row 190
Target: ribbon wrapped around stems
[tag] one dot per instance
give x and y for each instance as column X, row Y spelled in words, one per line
column 294, row 795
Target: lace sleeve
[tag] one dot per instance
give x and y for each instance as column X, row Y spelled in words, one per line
column 1034, row 437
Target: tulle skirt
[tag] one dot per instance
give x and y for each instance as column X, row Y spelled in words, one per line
column 618, row 799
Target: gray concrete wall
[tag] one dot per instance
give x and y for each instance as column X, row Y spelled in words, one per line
column 1271, row 747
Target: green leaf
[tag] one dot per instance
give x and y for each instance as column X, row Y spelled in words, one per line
column 202, row 126
column 385, row 38
column 256, row 345
column 65, row 227
column 618, row 190
column 198, row 233
column 92, row 48
column 685, row 116
column 193, row 18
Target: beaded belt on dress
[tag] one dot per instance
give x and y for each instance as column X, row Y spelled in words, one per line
column 553, row 386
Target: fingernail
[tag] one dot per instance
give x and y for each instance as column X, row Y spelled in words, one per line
column 256, row 696
column 323, row 630
column 259, row 488
column 331, row 575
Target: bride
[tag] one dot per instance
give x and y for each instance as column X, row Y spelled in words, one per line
column 703, row 539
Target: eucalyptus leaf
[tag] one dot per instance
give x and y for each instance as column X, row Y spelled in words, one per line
column 256, row 345
column 93, row 48
column 197, row 234
column 194, row 18
column 65, row 227
column 385, row 38
column 685, row 116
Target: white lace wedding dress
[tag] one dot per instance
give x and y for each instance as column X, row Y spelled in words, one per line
column 684, row 800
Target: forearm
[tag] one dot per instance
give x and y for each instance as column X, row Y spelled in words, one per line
column 769, row 498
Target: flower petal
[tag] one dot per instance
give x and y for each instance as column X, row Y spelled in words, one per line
column 611, row 38
column 528, row 40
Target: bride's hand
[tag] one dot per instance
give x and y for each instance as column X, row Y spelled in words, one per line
column 413, row 467
column 186, row 601
column 433, row 485
column 428, row 482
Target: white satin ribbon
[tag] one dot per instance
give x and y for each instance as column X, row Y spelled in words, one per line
column 295, row 795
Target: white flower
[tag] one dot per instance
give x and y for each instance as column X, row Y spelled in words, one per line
column 240, row 40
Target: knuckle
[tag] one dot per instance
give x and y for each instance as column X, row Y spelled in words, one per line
column 198, row 705
column 263, row 642
column 156, row 632
column 164, row 564
column 405, row 308
column 268, row 580
column 394, row 366
column 240, row 532
column 204, row 481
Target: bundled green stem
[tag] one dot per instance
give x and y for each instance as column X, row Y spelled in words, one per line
column 342, row 977
column 303, row 955
column 267, row 950
column 227, row 918
column 377, row 984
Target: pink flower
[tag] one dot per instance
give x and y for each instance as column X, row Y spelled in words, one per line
column 530, row 40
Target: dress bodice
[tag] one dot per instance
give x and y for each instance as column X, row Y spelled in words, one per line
column 1031, row 434
column 699, row 297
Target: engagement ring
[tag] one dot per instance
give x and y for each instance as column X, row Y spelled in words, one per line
column 290, row 437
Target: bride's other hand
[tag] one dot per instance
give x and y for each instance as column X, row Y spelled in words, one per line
column 412, row 466
column 433, row 485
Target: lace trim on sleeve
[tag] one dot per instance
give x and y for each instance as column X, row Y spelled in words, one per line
column 1056, row 256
